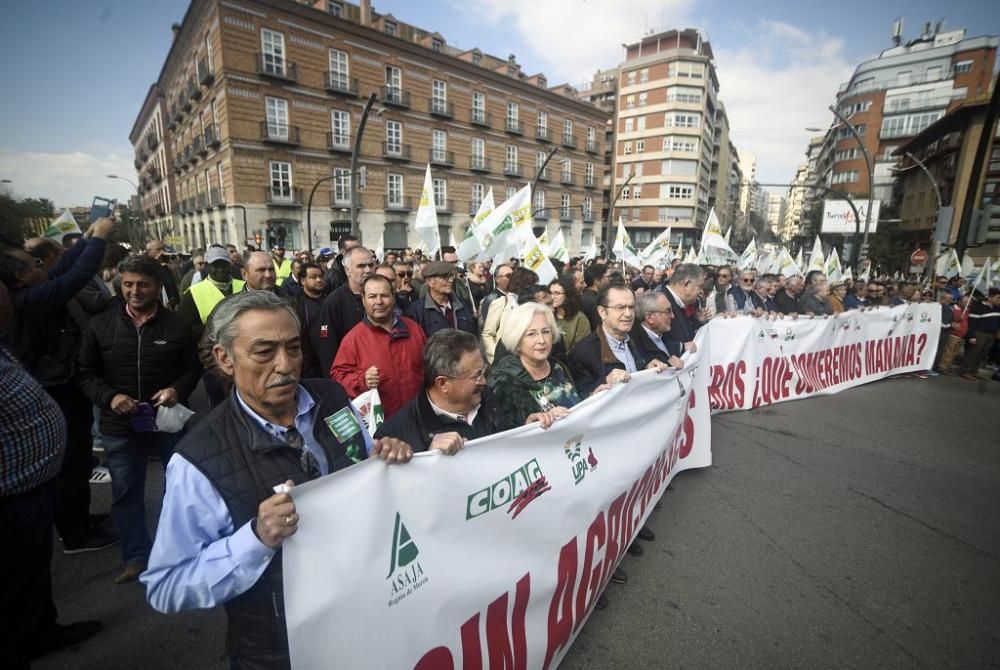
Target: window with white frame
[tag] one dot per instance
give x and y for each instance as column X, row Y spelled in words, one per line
column 439, row 96
column 629, row 101
column 684, row 94
column 543, row 121
column 567, row 168
column 281, row 180
column 644, row 75
column 681, row 120
column 539, row 199
column 208, row 53
column 272, row 46
column 629, row 124
column 568, row 130
column 439, row 145
column 564, row 211
column 390, row 28
column 509, row 192
column 627, row 148
column 339, row 70
column 643, row 97
column 341, row 186
column 588, row 173
column 845, row 154
column 591, row 137
column 640, row 146
column 393, row 137
column 637, row 191
column 440, row 193
column 478, row 193
column 478, row 107
column 511, row 114
column 680, row 143
column 511, row 163
column 277, row 118
column 631, row 77
column 680, row 168
column 845, row 177
column 394, row 189
column 640, row 123
column 393, row 82
column 340, row 128
column 539, row 159
column 436, row 46
column 478, row 148
column 221, row 179
column 588, row 208
column 962, row 67
column 682, row 191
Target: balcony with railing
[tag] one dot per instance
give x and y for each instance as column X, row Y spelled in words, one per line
column 479, row 163
column 205, row 74
column 397, row 203
column 541, row 214
column 474, row 207
column 279, row 133
column 445, row 206
column 543, row 175
column 567, row 179
column 216, row 198
column 478, row 117
column 395, row 151
column 512, row 169
column 341, row 84
column 588, row 182
column 442, row 108
column 592, row 147
column 283, row 197
column 514, row 127
column 276, row 68
column 193, row 90
column 212, row 137
column 565, row 214
column 340, row 196
column 588, row 216
column 202, row 203
column 396, row 96
column 441, row 157
column 568, row 141
column 339, row 142
column 190, row 205
column 542, row 134
column 198, row 144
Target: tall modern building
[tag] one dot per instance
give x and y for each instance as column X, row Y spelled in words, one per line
column 895, row 96
column 665, row 135
column 775, row 213
column 259, row 104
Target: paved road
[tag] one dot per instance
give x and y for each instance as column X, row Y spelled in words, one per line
column 858, row 530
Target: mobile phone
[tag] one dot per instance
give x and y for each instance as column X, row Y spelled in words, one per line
column 101, row 208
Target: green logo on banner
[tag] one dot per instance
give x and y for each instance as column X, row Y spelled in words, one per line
column 406, row 575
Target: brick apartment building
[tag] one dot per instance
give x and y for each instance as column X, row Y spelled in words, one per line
column 258, row 100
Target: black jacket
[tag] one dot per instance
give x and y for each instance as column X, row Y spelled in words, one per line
column 592, row 359
column 588, row 305
column 683, row 328
column 787, row 303
column 243, row 462
column 308, row 310
column 648, row 348
column 115, row 358
column 417, row 423
column 426, row 312
column 341, row 311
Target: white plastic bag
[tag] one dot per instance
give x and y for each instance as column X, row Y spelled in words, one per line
column 172, row 419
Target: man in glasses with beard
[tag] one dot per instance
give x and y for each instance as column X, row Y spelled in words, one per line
column 226, row 510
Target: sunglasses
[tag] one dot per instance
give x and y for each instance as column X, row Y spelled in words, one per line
column 403, row 275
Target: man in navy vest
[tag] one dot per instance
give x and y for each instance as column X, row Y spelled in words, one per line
column 741, row 298
column 226, row 511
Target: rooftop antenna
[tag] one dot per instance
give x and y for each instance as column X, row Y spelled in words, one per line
column 897, row 31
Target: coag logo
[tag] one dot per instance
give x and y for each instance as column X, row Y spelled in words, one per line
column 518, row 488
column 406, row 575
column 575, row 456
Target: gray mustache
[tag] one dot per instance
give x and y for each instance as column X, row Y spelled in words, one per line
column 283, row 380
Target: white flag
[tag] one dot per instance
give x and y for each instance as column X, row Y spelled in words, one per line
column 64, row 225
column 426, row 224
column 728, row 231
column 948, row 265
column 658, row 251
column 994, row 274
column 982, row 281
column 623, row 248
column 471, row 246
column 833, row 270
column 787, row 267
column 748, row 259
column 799, row 260
column 380, row 249
column 691, row 257
column 848, row 276
column 591, row 251
column 508, row 226
column 816, row 259
column 557, row 247
column 714, row 250
column 537, row 260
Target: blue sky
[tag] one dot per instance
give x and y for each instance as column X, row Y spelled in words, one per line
column 76, row 72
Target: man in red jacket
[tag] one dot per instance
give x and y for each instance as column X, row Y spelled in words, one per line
column 383, row 351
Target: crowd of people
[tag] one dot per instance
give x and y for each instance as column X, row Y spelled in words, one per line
column 99, row 344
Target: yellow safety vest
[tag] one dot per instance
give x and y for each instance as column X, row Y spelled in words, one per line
column 207, row 296
column 282, row 271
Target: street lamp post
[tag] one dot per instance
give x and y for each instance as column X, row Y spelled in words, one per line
column 309, row 207
column 871, row 178
column 611, row 217
column 142, row 224
column 354, row 164
column 935, row 243
column 541, row 169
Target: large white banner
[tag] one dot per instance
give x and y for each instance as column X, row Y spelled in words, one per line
column 494, row 557
column 838, row 217
column 756, row 361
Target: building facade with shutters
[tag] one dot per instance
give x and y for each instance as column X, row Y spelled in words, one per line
column 260, row 101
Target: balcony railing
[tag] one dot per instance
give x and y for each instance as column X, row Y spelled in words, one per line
column 567, row 178
column 395, row 96
column 277, row 68
column 338, row 142
column 400, row 204
column 441, row 108
column 279, row 132
column 479, row 163
column 202, row 202
column 445, row 206
column 283, row 197
column 212, row 138
column 337, row 82
column 588, row 182
column 198, row 144
column 194, row 91
column 189, row 205
column 441, row 157
column 481, row 118
column 514, row 127
column 543, row 175
column 592, row 148
column 542, row 134
column 565, row 214
column 205, row 74
column 540, row 214
column 569, row 141
column 588, row 217
column 340, row 198
column 395, row 151
column 474, row 207
column 155, row 175
column 512, row 169
column 216, row 198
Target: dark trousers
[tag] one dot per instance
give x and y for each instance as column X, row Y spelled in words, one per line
column 975, row 353
column 28, row 613
column 127, row 458
column 72, row 492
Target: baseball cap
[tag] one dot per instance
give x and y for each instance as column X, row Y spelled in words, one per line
column 216, row 254
column 438, row 269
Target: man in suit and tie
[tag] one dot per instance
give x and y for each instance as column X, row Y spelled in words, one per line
column 682, row 290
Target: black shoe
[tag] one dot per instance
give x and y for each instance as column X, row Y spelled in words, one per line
column 619, row 576
column 62, row 636
column 96, row 539
column 602, row 602
column 635, row 549
column 646, row 534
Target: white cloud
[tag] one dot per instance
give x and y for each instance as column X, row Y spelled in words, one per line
column 68, row 179
column 777, row 84
column 571, row 40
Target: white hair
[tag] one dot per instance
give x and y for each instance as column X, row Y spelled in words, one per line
column 519, row 319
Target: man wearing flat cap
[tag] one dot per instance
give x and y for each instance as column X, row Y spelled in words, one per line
column 441, row 308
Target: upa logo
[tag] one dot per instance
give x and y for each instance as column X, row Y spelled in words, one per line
column 581, row 465
column 406, row 575
column 518, row 489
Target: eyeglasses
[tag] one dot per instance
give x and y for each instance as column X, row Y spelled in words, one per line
column 475, row 378
column 621, row 308
column 746, row 281
column 403, row 275
column 544, row 333
column 725, row 276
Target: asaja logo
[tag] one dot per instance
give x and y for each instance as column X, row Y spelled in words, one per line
column 406, row 575
column 518, row 488
column 581, row 465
